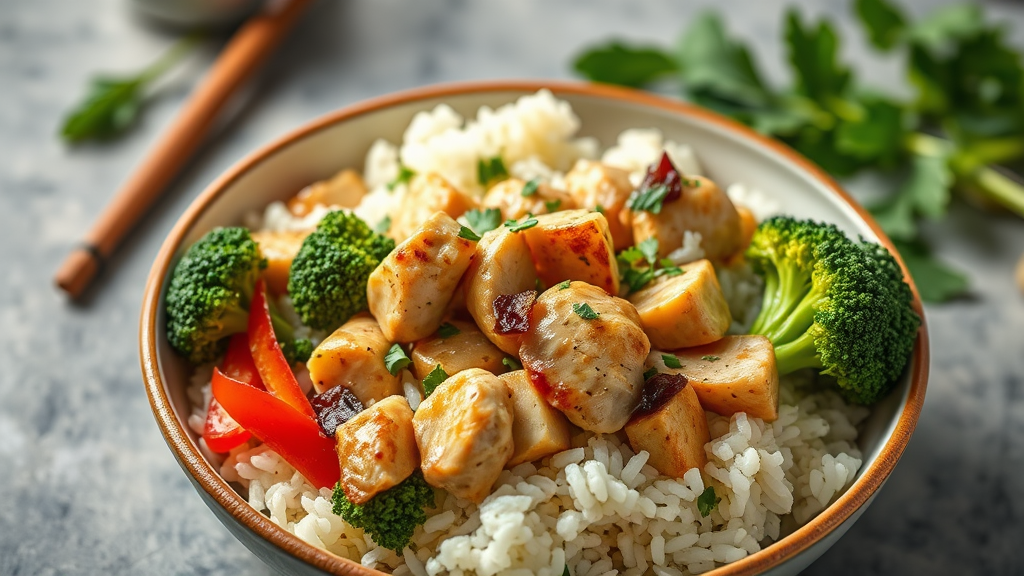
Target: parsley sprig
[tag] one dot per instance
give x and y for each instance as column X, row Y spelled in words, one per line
column 961, row 127
column 639, row 264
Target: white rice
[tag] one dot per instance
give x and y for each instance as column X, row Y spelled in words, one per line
column 597, row 508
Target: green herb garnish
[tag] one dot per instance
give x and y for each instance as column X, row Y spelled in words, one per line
column 530, row 188
column 638, row 265
column 490, row 170
column 395, row 359
column 448, row 330
column 483, row 221
column 511, row 363
column 583, row 310
column 468, row 234
column 383, row 226
column 516, row 226
column 564, row 284
column 405, row 175
column 649, row 373
column 671, row 361
column 112, row 105
column 710, row 358
column 649, row 199
column 707, row 501
column 552, row 205
column 436, row 376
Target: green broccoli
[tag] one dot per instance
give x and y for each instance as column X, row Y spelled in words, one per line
column 833, row 304
column 327, row 280
column 209, row 294
column 392, row 516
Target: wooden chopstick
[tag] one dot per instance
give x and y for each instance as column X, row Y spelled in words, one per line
column 243, row 54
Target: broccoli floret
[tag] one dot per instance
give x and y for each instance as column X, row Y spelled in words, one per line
column 209, row 293
column 328, row 277
column 391, row 516
column 833, row 304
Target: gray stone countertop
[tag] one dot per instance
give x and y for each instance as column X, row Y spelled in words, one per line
column 87, row 484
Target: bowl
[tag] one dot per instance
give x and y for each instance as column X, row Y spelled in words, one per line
column 729, row 151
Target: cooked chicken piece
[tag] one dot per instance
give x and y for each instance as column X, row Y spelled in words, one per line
column 748, row 225
column 376, row 449
column 464, row 433
column 469, row 348
column 507, row 196
column 353, row 357
column 735, row 374
column 538, row 429
column 574, row 245
column 345, row 189
column 279, row 248
column 684, row 310
column 595, row 186
column 670, row 425
column 703, row 207
column 410, row 290
column 501, row 265
column 428, row 194
column 590, row 368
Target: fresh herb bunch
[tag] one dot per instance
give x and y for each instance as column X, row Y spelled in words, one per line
column 963, row 124
column 112, row 105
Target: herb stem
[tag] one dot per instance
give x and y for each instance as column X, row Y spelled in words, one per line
column 174, row 55
column 1000, row 188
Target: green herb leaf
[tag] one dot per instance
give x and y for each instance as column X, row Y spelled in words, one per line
column 717, row 71
column 552, row 205
column 669, row 271
column 710, row 358
column 511, row 363
column 936, row 282
column 926, row 193
column 530, row 188
column 515, row 226
column 383, row 226
column 405, row 175
column 448, row 330
column 564, row 284
column 395, row 360
column 583, row 310
column 648, row 199
column 565, row 571
column 599, row 209
column 433, row 379
column 650, row 372
column 884, row 22
column 671, row 361
column 812, row 53
column 649, row 248
column 483, row 221
column 631, row 255
column 468, row 234
column 707, row 501
column 617, row 63
column 637, row 278
column 490, row 170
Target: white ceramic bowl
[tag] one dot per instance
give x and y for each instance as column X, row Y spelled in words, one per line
column 729, row 152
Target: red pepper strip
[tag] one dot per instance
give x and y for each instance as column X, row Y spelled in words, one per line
column 220, row 431
column 274, row 369
column 284, row 429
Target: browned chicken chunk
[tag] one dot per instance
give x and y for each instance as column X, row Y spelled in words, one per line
column 584, row 353
column 704, row 208
column 353, row 357
column 538, row 429
column 345, row 189
column 670, row 425
column 376, row 449
column 501, row 266
column 735, row 374
column 410, row 291
column 428, row 194
column 467, row 348
column 574, row 245
column 516, row 199
column 464, row 433
column 596, row 186
column 279, row 248
column 684, row 310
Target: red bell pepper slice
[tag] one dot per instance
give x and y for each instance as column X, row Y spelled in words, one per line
column 273, row 368
column 293, row 435
column 220, row 431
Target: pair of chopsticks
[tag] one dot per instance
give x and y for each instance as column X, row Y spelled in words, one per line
column 247, row 49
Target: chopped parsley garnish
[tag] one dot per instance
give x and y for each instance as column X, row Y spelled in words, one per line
column 383, row 226
column 707, row 501
column 648, row 200
column 395, row 359
column 511, row 363
column 599, row 209
column 710, row 358
column 483, row 221
column 638, row 265
column 671, row 361
column 448, row 330
column 565, row 571
column 490, row 170
column 553, row 205
column 436, row 376
column 516, row 226
column 649, row 373
column 468, row 234
column 530, row 188
column 583, row 310
column 649, row 248
column 564, row 284
column 405, row 175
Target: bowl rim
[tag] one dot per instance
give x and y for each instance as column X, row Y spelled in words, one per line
column 203, row 474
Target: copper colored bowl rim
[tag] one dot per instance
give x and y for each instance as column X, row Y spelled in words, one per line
column 188, row 455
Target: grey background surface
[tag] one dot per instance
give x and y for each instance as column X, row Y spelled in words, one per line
column 87, row 484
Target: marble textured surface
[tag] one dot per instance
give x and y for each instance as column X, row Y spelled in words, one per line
column 86, row 482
